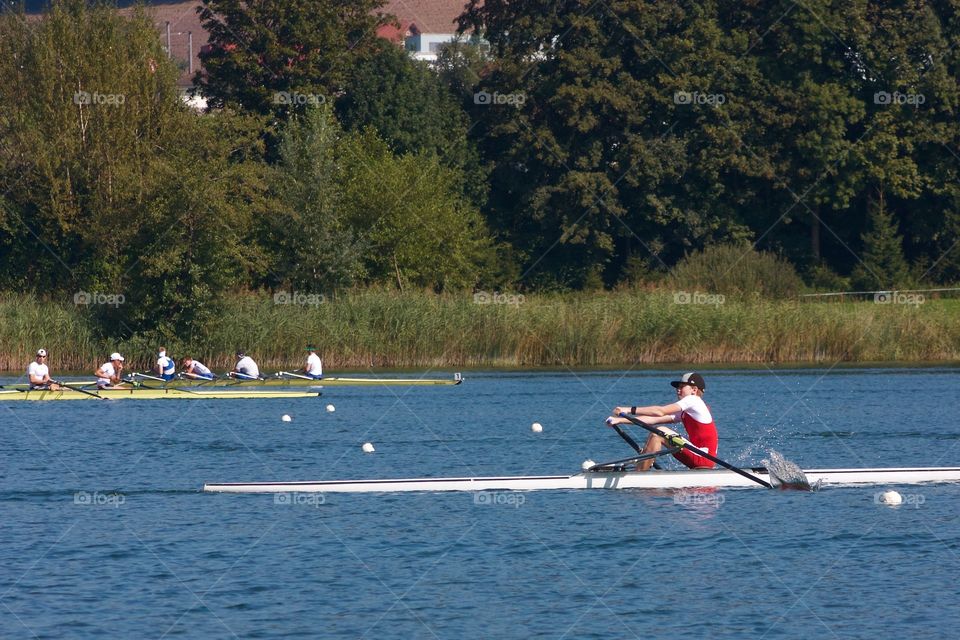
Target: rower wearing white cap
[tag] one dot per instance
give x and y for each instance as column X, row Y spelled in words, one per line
column 39, row 373
column 165, row 366
column 246, row 368
column 108, row 375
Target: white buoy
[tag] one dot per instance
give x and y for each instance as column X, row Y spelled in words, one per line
column 891, row 498
column 286, row 418
column 536, row 427
column 331, row 408
column 367, row 447
column 587, row 464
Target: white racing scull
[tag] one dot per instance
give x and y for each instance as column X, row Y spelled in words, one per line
column 717, row 478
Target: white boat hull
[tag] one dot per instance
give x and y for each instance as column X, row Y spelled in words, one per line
column 595, row 480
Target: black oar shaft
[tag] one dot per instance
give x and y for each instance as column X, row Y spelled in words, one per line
column 700, row 452
column 630, row 441
column 89, row 393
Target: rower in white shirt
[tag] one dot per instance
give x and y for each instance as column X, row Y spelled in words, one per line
column 108, row 375
column 196, row 370
column 246, row 368
column 165, row 367
column 314, row 366
column 39, row 373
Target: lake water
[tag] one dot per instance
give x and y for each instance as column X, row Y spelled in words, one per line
column 106, row 533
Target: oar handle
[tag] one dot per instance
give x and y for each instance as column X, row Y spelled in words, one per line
column 680, row 441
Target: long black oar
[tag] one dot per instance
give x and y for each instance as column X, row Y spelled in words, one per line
column 630, row 441
column 89, row 393
column 680, row 441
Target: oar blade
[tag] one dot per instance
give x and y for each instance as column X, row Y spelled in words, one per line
column 787, row 475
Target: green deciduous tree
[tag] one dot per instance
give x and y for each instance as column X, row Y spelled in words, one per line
column 279, row 56
column 112, row 185
column 350, row 210
column 308, row 237
column 602, row 147
column 413, row 111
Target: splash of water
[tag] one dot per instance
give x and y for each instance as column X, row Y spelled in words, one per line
column 785, row 474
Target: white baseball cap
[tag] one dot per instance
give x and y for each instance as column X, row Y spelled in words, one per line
column 41, row 352
column 116, row 356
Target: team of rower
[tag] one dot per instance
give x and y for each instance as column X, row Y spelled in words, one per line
column 110, row 373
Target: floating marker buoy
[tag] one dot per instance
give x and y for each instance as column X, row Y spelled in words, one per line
column 331, row 408
column 286, row 418
column 536, row 427
column 587, row 464
column 891, row 498
column 367, row 447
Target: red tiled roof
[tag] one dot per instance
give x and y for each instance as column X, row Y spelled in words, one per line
column 393, row 33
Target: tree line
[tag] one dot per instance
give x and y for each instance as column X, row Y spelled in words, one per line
column 555, row 146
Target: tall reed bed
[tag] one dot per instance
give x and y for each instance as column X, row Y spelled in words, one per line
column 376, row 328
column 28, row 323
column 416, row 330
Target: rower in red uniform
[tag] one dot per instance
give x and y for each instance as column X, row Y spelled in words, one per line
column 690, row 410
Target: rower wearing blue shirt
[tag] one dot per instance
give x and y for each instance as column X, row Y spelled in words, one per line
column 165, row 367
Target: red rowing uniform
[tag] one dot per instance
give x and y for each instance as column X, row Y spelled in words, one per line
column 701, row 431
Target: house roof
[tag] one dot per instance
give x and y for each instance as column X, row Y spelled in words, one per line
column 430, row 16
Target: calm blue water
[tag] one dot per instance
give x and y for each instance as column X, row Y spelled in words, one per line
column 153, row 557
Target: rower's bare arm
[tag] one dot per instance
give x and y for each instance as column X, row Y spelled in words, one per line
column 653, row 410
column 654, row 420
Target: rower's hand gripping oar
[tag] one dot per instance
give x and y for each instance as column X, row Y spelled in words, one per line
column 677, row 440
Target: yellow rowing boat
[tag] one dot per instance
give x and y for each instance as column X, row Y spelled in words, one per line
column 281, row 379
column 141, row 393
